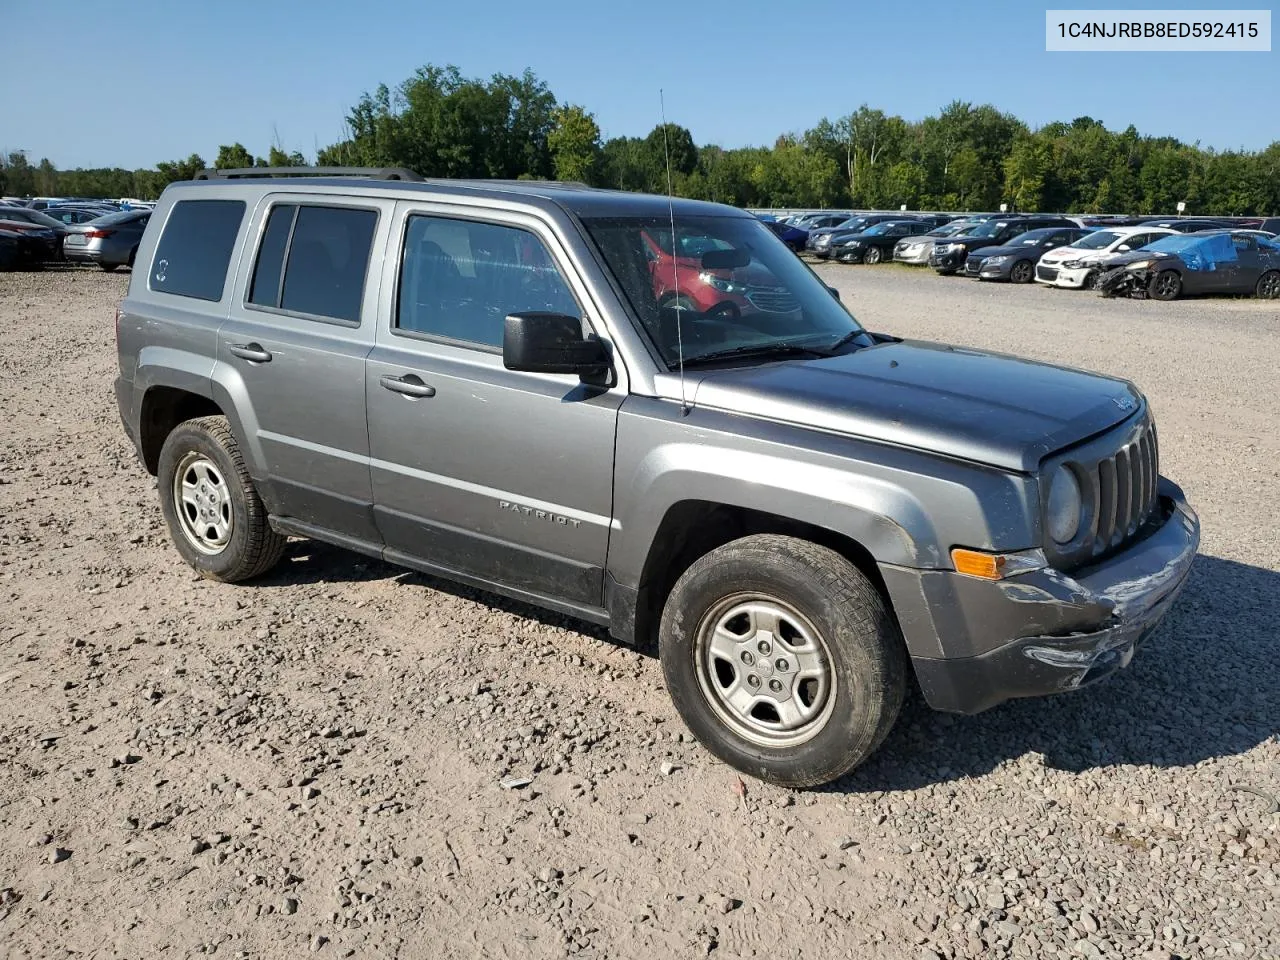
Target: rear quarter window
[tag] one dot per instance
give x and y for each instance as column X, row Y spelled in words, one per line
column 195, row 249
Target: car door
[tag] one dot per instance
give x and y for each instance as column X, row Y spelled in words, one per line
column 496, row 476
column 1242, row 273
column 299, row 328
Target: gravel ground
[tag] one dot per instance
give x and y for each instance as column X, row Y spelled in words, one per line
column 316, row 762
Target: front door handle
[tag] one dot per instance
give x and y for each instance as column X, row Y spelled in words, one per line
column 252, row 352
column 410, row 385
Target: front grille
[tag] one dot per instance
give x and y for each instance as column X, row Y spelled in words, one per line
column 972, row 266
column 1124, row 490
column 1118, row 474
column 1046, row 273
column 772, row 299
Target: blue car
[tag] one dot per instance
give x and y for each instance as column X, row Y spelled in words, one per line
column 793, row 237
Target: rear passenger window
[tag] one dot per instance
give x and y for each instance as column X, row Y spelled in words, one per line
column 459, row 280
column 323, row 254
column 195, row 249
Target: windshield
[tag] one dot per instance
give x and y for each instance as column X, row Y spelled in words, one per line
column 949, row 230
column 745, row 291
column 853, row 223
column 880, row 229
column 988, row 229
column 1175, row 244
column 1098, row 240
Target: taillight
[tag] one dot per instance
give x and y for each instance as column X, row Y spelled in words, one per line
column 98, row 234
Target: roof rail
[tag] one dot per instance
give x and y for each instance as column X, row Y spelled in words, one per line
column 247, row 173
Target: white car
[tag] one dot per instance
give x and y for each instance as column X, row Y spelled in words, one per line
column 1077, row 265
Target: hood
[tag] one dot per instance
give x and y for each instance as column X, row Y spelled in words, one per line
column 1010, row 250
column 969, row 240
column 1133, row 256
column 1059, row 254
column 983, row 407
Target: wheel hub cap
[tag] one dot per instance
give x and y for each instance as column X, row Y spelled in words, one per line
column 203, row 504
column 765, row 670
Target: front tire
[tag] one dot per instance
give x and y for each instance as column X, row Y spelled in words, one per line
column 215, row 517
column 1022, row 272
column 873, row 256
column 1165, row 285
column 783, row 659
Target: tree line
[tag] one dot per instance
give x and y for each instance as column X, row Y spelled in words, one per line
column 967, row 157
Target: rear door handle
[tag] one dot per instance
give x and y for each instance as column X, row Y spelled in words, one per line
column 252, row 352
column 410, row 385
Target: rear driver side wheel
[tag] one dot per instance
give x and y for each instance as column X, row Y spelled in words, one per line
column 1268, row 287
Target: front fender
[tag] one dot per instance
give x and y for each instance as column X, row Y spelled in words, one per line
column 904, row 507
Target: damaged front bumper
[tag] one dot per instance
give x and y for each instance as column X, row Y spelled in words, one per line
column 976, row 643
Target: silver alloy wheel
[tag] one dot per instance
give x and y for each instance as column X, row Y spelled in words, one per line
column 203, row 503
column 765, row 670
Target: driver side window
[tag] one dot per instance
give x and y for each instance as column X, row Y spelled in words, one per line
column 460, row 278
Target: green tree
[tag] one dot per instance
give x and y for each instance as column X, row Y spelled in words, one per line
column 233, row 157
column 574, row 142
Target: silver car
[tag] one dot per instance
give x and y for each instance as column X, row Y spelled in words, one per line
column 110, row 241
column 650, row 415
column 918, row 249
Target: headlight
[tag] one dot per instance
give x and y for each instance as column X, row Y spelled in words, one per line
column 1064, row 505
column 1072, row 264
column 993, row 261
column 1140, row 265
column 720, row 283
column 853, row 243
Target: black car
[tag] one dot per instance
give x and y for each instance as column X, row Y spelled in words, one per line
column 10, row 249
column 28, row 244
column 1228, row 261
column 1188, row 224
column 819, row 240
column 948, row 256
column 1016, row 261
column 875, row 243
column 36, row 217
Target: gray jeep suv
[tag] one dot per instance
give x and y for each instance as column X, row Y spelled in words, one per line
column 647, row 414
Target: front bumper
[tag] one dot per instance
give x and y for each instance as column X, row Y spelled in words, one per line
column 919, row 255
column 948, row 262
column 1059, row 276
column 977, row 643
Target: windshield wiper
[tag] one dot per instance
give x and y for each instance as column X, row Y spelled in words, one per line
column 754, row 350
column 844, row 341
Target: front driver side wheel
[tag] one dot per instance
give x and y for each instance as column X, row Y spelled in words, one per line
column 873, row 255
column 1166, row 285
column 214, row 514
column 783, row 659
column 1022, row 272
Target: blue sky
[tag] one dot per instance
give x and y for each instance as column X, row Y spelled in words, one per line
column 134, row 83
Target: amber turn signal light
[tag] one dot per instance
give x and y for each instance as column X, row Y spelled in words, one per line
column 974, row 563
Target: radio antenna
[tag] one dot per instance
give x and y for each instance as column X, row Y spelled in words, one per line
column 675, row 268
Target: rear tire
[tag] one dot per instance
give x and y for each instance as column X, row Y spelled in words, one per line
column 783, row 659
column 873, row 256
column 108, row 267
column 1268, row 287
column 215, row 517
column 1165, row 285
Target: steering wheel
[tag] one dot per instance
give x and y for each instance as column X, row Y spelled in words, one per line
column 724, row 310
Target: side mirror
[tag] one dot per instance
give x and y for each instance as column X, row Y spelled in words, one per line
column 551, row 343
column 1122, row 248
column 834, row 292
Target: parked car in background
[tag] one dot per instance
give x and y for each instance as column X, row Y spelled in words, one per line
column 1016, row 261
column 949, row 255
column 1078, row 265
column 820, row 221
column 793, row 237
column 1227, row 261
column 109, row 241
column 874, row 244
column 10, row 249
column 36, row 217
column 32, row 243
column 1270, row 224
column 916, row 250
column 67, row 214
column 820, row 238
column 1188, row 224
